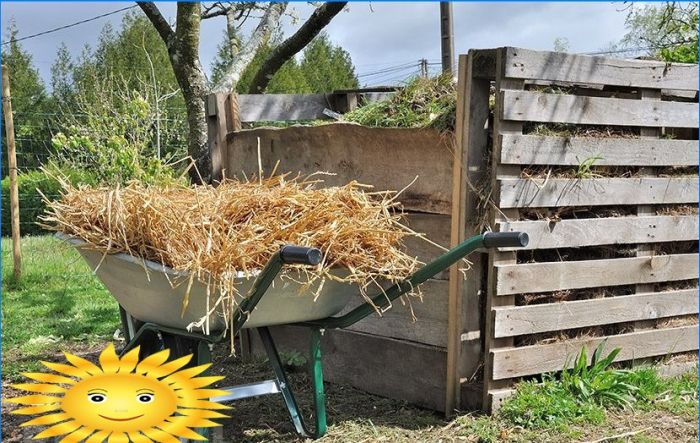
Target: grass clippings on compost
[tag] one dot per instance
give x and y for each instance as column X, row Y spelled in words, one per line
column 219, row 234
column 422, row 103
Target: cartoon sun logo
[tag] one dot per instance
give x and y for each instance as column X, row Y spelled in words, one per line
column 121, row 400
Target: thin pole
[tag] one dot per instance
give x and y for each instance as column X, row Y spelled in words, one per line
column 446, row 36
column 12, row 163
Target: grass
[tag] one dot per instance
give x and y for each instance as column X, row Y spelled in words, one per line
column 59, row 305
column 57, row 299
column 423, row 102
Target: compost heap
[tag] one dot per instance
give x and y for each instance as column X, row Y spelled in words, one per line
column 216, row 233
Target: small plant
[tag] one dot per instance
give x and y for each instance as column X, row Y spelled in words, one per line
column 293, row 359
column 585, row 167
column 598, row 383
column 579, row 395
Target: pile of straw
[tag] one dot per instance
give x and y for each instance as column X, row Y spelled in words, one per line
column 216, row 233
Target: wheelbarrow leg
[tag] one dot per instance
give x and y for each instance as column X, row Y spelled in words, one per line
column 286, row 390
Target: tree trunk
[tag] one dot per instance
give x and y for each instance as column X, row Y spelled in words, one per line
column 183, row 49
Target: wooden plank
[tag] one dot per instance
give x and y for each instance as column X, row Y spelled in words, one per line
column 545, row 277
column 387, row 158
column 533, row 319
column 562, row 108
column 541, row 150
column 539, row 359
column 573, row 233
column 429, row 327
column 471, row 139
column 536, row 193
column 383, row 366
column 496, row 258
column 436, row 228
column 283, row 107
column 573, row 68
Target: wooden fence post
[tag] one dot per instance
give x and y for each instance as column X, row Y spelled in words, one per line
column 223, row 117
column 12, row 165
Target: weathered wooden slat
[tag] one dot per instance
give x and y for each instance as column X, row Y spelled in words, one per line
column 436, row 228
column 533, row 319
column 535, row 193
column 429, row 327
column 540, row 150
column 559, row 66
column 545, row 277
column 574, row 233
column 386, row 158
column 561, row 108
column 539, row 359
column 283, row 107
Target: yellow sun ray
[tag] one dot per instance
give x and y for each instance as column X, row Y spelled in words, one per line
column 49, row 378
column 160, row 436
column 98, row 437
column 169, row 367
column 34, row 400
column 40, row 388
column 200, row 394
column 152, row 361
column 186, row 374
column 77, row 435
column 83, row 364
column 59, row 429
column 109, row 360
column 201, row 413
column 137, row 437
column 200, row 404
column 33, row 410
column 182, row 430
column 198, row 382
column 129, row 360
column 47, row 419
column 118, row 437
column 69, row 370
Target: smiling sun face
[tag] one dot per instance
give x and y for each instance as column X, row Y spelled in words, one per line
column 120, row 400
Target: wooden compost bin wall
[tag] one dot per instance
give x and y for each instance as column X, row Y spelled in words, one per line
column 390, row 356
column 613, row 251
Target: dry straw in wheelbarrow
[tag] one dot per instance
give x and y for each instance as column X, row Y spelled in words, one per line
column 216, row 233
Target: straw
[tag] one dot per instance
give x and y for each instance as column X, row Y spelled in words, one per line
column 216, row 234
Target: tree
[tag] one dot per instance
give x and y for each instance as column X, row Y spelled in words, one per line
column 327, row 67
column 561, row 44
column 62, row 69
column 668, row 31
column 182, row 44
column 289, row 79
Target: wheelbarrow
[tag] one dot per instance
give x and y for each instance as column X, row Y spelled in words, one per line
column 153, row 319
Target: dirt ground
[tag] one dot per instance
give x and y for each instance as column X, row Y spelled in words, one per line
column 355, row 416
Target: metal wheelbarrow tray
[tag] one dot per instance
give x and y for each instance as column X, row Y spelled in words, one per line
column 150, row 329
column 152, row 292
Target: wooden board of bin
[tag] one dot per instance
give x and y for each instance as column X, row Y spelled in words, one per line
column 530, row 176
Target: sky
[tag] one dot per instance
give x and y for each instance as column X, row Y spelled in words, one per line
column 378, row 35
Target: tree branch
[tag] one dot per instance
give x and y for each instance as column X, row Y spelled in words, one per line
column 268, row 22
column 288, row 48
column 159, row 22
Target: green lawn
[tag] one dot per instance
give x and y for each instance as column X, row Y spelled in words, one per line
column 57, row 299
column 59, row 305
